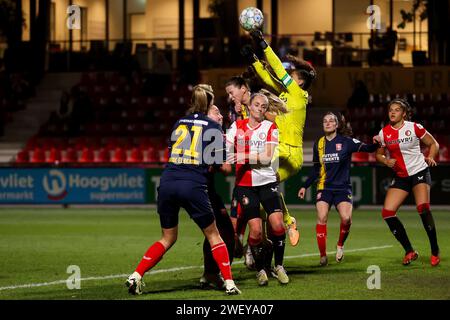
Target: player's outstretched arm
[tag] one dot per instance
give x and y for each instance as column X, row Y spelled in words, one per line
column 266, row 77
column 275, row 63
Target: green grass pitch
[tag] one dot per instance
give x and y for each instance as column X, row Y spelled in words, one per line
column 37, row 245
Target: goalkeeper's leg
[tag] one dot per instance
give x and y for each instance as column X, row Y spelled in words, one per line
column 290, row 223
column 290, row 162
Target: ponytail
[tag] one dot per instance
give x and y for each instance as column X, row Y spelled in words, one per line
column 202, row 98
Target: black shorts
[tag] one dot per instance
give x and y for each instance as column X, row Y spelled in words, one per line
column 250, row 199
column 192, row 196
column 334, row 197
column 407, row 183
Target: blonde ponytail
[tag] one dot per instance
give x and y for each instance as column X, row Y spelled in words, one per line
column 202, row 98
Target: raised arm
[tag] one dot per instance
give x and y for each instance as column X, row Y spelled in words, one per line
column 266, row 77
column 275, row 63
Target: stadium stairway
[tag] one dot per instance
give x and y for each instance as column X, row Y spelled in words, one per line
column 27, row 122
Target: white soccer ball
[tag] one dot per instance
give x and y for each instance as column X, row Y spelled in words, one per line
column 251, row 18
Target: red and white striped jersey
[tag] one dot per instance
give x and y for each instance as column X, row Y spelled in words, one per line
column 243, row 140
column 403, row 145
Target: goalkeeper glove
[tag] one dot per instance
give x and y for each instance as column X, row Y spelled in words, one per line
column 258, row 37
column 248, row 54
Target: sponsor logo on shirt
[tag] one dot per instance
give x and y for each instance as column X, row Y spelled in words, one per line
column 400, row 141
column 252, row 143
column 330, row 157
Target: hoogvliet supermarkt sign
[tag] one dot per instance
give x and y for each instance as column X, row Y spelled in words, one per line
column 84, row 185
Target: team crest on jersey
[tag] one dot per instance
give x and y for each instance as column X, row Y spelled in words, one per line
column 262, row 136
column 338, row 146
column 319, row 195
column 408, row 133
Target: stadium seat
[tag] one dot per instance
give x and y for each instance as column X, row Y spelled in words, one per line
column 135, row 156
column 444, row 154
column 38, row 156
column 54, row 156
column 119, row 155
column 360, row 157
column 372, row 157
column 164, row 155
column 87, row 156
column 23, row 157
column 70, row 156
column 32, row 143
column 150, row 155
column 103, row 156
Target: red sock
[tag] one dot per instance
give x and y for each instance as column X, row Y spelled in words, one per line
column 151, row 258
column 220, row 254
column 345, row 229
column 321, row 234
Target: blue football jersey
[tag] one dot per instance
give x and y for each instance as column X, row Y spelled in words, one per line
column 332, row 161
column 196, row 143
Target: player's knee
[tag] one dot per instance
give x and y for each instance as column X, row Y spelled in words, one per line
column 388, row 213
column 254, row 241
column 346, row 220
column 423, row 208
column 322, row 220
column 278, row 230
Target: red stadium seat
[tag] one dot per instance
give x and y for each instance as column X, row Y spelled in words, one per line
column 38, row 156
column 360, row 157
column 87, row 156
column 135, row 156
column 164, row 155
column 70, row 156
column 103, row 156
column 119, row 155
column 32, row 143
column 23, row 157
column 444, row 154
column 54, row 156
column 150, row 154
